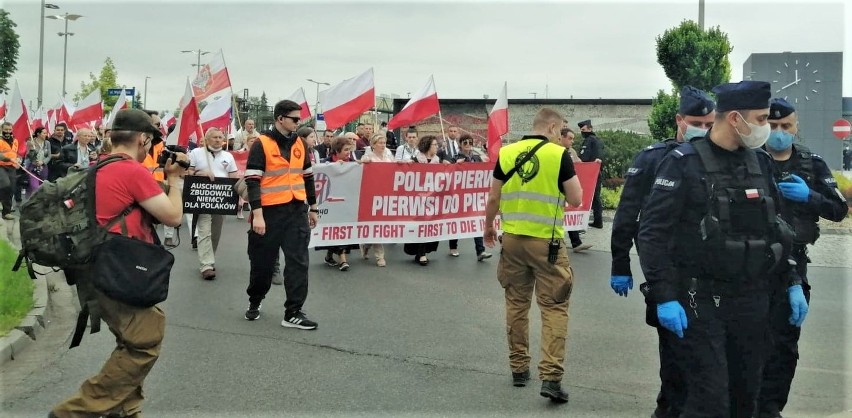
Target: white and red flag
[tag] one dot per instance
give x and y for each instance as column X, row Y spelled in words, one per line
column 419, row 107
column 187, row 122
column 39, row 119
column 349, row 99
column 63, row 113
column 18, row 116
column 90, row 109
column 498, row 124
column 211, row 78
column 167, row 120
column 120, row 104
column 217, row 114
column 298, row 96
column 3, row 107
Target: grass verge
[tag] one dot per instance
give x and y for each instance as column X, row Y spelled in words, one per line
column 16, row 290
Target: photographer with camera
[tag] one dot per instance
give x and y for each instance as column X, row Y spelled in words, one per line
column 211, row 161
column 533, row 179
column 117, row 389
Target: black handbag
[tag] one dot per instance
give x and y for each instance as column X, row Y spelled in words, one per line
column 132, row 271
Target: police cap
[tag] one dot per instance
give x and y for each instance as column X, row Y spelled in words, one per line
column 695, row 102
column 780, row 108
column 587, row 122
column 744, row 95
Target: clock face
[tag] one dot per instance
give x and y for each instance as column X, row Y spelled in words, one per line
column 797, row 81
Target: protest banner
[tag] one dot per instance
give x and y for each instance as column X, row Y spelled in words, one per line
column 215, row 197
column 396, row 203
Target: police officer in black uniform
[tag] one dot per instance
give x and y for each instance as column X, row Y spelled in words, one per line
column 695, row 117
column 711, row 244
column 810, row 192
column 593, row 150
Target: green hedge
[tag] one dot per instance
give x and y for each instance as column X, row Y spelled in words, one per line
column 620, row 147
column 16, row 290
column 610, row 197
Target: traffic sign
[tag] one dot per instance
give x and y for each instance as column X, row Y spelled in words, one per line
column 841, row 128
column 131, row 92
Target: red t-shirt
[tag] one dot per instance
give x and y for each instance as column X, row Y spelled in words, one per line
column 119, row 185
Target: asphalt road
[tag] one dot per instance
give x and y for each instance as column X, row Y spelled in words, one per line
column 404, row 340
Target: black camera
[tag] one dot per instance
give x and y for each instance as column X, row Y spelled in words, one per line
column 169, row 152
column 553, row 251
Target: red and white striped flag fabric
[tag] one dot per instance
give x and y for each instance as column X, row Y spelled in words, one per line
column 217, row 114
column 187, row 122
column 167, row 120
column 419, row 107
column 90, row 109
column 211, row 78
column 120, row 104
column 39, row 119
column 18, row 116
column 348, row 100
column 3, row 107
column 298, row 96
column 63, row 113
column 498, row 124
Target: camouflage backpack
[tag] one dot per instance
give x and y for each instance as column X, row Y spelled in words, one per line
column 58, row 224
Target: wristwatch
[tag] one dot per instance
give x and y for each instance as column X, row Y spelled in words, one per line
column 313, row 210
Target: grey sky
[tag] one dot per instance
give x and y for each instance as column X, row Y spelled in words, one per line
column 580, row 49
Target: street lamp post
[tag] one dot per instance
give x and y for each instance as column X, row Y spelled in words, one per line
column 534, row 95
column 316, row 107
column 41, row 50
column 199, row 53
column 145, row 96
column 66, row 17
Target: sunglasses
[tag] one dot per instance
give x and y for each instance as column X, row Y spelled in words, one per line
column 295, row 119
column 467, row 142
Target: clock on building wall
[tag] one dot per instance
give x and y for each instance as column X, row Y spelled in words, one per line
column 797, row 81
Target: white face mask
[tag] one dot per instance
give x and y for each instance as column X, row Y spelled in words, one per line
column 758, row 135
column 214, row 149
column 693, row 132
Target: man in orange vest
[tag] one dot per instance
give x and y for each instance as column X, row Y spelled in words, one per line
column 280, row 182
column 9, row 163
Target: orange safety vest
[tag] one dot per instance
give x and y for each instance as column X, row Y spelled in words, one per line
column 282, row 180
column 10, row 152
column 151, row 163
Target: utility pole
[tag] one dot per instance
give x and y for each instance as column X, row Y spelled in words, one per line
column 701, row 14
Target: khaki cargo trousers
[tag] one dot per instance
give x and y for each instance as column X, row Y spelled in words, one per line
column 117, row 389
column 524, row 268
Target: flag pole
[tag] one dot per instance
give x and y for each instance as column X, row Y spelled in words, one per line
column 440, row 116
column 235, row 113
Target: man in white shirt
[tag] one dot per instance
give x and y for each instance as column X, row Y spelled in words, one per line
column 211, row 161
column 408, row 151
column 242, row 135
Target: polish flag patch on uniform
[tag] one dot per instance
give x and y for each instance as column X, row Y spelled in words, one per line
column 752, row 194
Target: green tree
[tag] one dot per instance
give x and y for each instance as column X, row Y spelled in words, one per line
column 107, row 79
column 137, row 101
column 8, row 49
column 690, row 56
column 661, row 121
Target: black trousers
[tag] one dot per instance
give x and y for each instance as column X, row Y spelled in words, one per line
column 574, row 237
column 478, row 244
column 286, row 229
column 597, row 205
column 672, row 394
column 724, row 350
column 783, row 355
column 8, row 178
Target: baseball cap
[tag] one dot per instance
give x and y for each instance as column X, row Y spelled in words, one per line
column 137, row 121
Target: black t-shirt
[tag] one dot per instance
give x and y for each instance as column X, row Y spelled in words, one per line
column 566, row 166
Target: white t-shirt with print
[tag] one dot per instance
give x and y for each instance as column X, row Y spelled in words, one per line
column 223, row 162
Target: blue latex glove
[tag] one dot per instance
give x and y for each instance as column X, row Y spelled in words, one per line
column 797, row 190
column 621, row 284
column 672, row 317
column 798, row 304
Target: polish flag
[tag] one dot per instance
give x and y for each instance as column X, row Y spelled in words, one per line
column 752, row 194
column 63, row 113
column 217, row 114
column 187, row 122
column 120, row 104
column 167, row 120
column 347, row 100
column 90, row 109
column 39, row 119
column 298, row 96
column 498, row 124
column 51, row 120
column 212, row 78
column 18, row 116
column 3, row 107
column 421, row 106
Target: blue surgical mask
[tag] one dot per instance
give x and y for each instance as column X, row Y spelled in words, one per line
column 693, row 132
column 779, row 140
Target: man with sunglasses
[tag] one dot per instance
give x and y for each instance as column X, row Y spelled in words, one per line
column 280, row 180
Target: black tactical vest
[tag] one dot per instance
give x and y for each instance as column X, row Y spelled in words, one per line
column 740, row 230
column 797, row 214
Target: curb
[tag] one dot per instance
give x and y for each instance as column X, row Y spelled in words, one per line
column 31, row 326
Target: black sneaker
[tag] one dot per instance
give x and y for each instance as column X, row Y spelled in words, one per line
column 553, row 390
column 520, row 379
column 298, row 320
column 253, row 311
